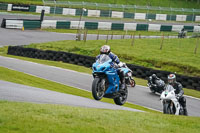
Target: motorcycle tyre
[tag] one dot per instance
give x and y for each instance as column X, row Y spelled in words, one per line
column 152, row 90
column 95, row 83
column 122, row 99
column 166, row 109
column 132, row 83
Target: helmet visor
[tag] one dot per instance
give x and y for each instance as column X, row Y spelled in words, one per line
column 170, row 81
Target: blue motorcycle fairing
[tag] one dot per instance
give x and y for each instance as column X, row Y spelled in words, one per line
column 111, row 73
column 113, row 79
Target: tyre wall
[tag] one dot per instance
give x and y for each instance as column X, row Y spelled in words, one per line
column 87, row 61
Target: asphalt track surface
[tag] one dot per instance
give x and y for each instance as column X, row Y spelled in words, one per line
column 16, row 92
column 19, row 37
column 139, row 95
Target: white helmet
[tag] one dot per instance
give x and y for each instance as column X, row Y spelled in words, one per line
column 105, row 49
column 171, row 78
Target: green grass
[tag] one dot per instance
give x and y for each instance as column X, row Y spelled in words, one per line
column 177, row 55
column 18, row 117
column 25, row 79
column 164, row 3
column 118, row 32
column 3, row 52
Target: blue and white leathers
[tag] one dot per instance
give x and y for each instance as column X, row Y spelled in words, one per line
column 125, row 70
column 105, row 66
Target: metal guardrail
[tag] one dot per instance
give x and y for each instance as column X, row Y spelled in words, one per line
column 117, row 6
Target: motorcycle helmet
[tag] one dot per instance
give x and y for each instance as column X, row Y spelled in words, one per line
column 171, row 78
column 154, row 76
column 105, row 49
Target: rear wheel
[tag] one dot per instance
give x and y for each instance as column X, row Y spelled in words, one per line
column 97, row 91
column 132, row 82
column 122, row 99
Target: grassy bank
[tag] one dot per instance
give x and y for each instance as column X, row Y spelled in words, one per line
column 32, row 118
column 177, row 55
column 127, row 34
column 3, row 52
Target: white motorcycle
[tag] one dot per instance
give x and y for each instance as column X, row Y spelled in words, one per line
column 170, row 103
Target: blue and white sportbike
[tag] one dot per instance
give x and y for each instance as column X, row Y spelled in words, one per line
column 106, row 81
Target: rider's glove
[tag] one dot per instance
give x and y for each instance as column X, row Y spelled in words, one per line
column 154, row 85
column 177, row 96
column 120, row 64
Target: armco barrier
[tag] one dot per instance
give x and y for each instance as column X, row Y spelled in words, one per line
column 138, row 71
column 60, row 24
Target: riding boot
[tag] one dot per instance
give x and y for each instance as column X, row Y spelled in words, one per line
column 122, row 83
column 185, row 111
column 122, row 80
column 183, row 102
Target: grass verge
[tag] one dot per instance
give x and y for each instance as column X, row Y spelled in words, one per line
column 118, row 32
column 3, row 52
column 25, row 117
column 164, row 3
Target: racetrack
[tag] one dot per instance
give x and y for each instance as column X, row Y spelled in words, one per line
column 16, row 92
column 139, row 95
column 19, row 37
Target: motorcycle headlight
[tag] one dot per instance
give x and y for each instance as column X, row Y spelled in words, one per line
column 166, row 93
column 129, row 74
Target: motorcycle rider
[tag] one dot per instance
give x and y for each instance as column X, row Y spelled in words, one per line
column 182, row 33
column 178, row 90
column 152, row 80
column 105, row 49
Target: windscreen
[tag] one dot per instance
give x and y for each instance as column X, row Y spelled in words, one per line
column 169, row 88
column 103, row 58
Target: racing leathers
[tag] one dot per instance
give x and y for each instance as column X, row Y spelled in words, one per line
column 179, row 94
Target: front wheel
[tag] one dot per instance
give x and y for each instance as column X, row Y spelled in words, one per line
column 97, row 91
column 152, row 90
column 167, row 109
column 122, row 99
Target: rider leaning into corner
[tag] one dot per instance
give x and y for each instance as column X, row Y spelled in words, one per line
column 105, row 49
column 152, row 79
column 178, row 90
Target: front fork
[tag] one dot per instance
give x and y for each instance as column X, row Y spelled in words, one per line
column 103, row 84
